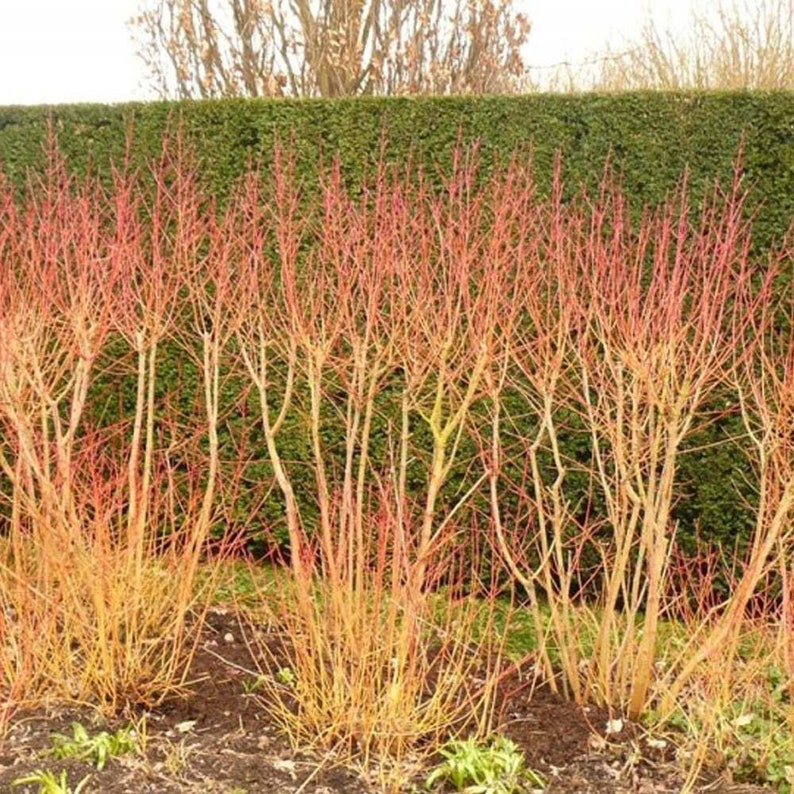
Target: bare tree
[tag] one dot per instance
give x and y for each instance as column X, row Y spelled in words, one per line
column 214, row 48
column 741, row 44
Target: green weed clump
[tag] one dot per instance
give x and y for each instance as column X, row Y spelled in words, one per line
column 49, row 783
column 96, row 748
column 493, row 767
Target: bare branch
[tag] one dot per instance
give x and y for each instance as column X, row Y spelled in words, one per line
column 744, row 44
column 212, row 48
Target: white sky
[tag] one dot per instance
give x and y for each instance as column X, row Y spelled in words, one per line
column 55, row 51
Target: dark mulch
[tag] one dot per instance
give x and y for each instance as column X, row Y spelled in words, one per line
column 219, row 741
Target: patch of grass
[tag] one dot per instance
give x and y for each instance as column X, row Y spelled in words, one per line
column 242, row 584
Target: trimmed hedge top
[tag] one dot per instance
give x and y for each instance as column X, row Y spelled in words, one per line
column 650, row 137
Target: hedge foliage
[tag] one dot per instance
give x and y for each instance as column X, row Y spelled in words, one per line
column 650, row 138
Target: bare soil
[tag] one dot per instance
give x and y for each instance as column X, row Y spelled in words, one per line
column 218, row 740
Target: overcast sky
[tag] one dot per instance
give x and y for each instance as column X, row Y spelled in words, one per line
column 55, row 51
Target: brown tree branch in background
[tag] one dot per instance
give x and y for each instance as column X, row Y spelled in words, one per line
column 216, row 48
column 743, row 44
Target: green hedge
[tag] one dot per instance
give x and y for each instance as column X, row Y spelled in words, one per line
column 649, row 137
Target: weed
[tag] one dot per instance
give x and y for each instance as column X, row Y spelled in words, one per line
column 97, row 748
column 253, row 685
column 285, row 676
column 176, row 757
column 48, row 783
column 497, row 767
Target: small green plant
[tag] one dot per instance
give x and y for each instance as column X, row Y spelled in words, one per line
column 285, row 676
column 97, row 748
column 48, row 783
column 497, row 767
column 758, row 746
column 252, row 685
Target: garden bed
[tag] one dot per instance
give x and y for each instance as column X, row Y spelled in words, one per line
column 219, row 739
